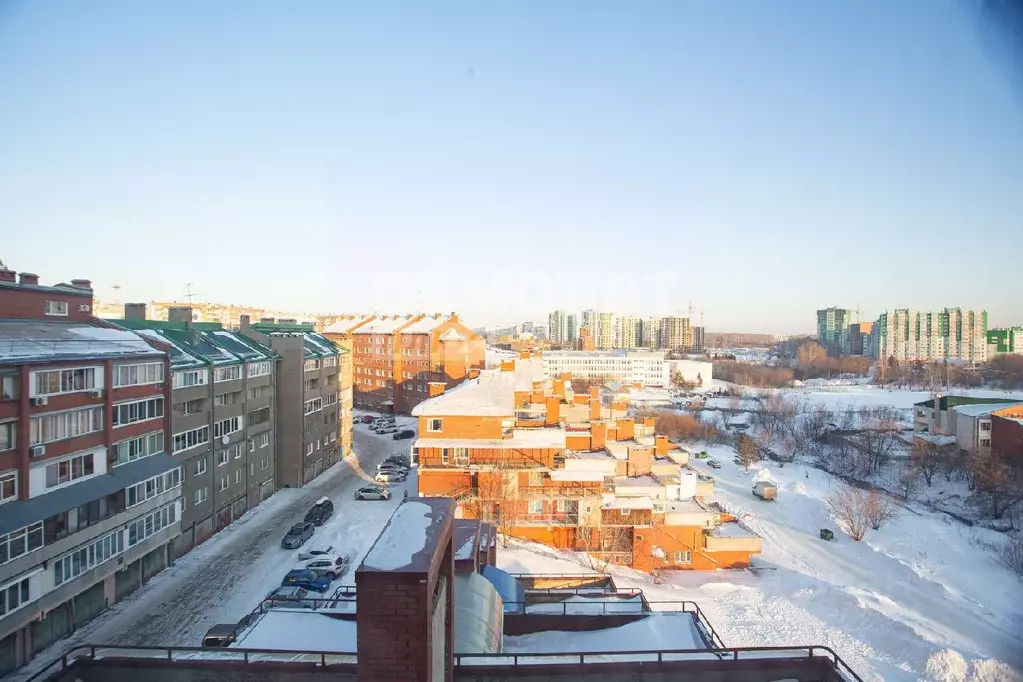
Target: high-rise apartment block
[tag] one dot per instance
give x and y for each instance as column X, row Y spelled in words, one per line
column 1005, row 340
column 833, row 329
column 950, row 334
column 650, row 333
column 571, row 330
column 557, row 327
column 629, row 332
column 676, row 334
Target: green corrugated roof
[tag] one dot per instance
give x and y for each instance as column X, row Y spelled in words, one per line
column 204, row 344
column 314, row 344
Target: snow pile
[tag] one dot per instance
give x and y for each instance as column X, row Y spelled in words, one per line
column 949, row 665
column 402, row 539
column 658, row 631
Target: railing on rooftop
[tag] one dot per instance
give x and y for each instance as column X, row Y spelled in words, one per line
column 733, row 654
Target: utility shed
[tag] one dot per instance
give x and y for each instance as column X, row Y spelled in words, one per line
column 467, row 540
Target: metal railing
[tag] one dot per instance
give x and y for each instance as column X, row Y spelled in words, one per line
column 93, row 652
column 732, row 654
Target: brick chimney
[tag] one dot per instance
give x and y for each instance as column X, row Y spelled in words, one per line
column 553, row 416
column 134, row 311
column 28, row 278
column 598, row 435
column 243, row 323
column 661, row 445
column 82, row 284
column 180, row 313
column 8, row 275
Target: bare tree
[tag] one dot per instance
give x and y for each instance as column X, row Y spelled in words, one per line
column 603, row 543
column 909, row 478
column 1012, row 555
column 880, row 509
column 997, row 489
column 851, row 508
column 814, row 424
column 748, row 451
column 929, row 457
column 879, row 434
column 952, row 465
column 775, row 415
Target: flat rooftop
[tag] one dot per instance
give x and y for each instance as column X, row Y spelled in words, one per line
column 656, row 631
column 408, row 542
column 550, row 437
column 23, row 341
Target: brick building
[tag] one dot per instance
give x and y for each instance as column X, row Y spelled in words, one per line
column 540, row 462
column 90, row 499
column 395, row 358
column 1007, row 434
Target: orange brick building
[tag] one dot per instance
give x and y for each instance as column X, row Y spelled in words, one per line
column 542, row 463
column 397, row 357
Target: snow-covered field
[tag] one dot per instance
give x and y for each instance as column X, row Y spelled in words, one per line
column 847, row 396
column 226, row 577
column 921, row 599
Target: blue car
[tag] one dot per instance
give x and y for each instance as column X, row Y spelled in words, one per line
column 309, row 580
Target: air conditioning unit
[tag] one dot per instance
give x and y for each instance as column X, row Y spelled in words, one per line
column 38, row 450
column 83, row 308
column 97, row 393
column 40, row 401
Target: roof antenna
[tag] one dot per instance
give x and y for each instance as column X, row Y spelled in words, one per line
column 189, row 293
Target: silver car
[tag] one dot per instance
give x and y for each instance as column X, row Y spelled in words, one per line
column 372, row 492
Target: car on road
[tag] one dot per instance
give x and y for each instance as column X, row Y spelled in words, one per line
column 306, row 579
column 384, row 430
column 404, row 434
column 298, row 535
column 367, row 419
column 329, row 566
column 320, row 512
column 714, row 464
column 393, row 471
column 390, row 477
column 373, row 492
column 290, row 597
column 316, row 551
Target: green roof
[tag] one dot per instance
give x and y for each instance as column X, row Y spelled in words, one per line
column 204, row 344
column 315, row 345
column 947, row 402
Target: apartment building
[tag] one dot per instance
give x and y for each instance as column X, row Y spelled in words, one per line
column 310, row 418
column 859, row 338
column 557, row 327
column 629, row 332
column 571, row 330
column 585, row 340
column 396, row 357
column 677, row 334
column 833, row 329
column 951, row 334
column 89, row 497
column 973, row 425
column 222, row 416
column 1007, row 434
column 639, row 366
column 650, row 333
column 1004, row 340
column 526, row 454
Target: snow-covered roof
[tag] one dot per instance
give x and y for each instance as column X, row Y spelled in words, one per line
column 403, row 537
column 982, row 409
column 626, row 481
column 630, row 503
column 577, row 475
column 180, row 358
column 344, row 326
column 684, row 506
column 299, row 630
column 665, row 631
column 425, row 325
column 44, row 341
column 491, row 395
column 383, row 326
column 733, row 530
column 550, row 438
column 935, row 438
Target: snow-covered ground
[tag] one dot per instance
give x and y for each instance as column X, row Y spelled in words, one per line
column 847, row 396
column 921, row 599
column 226, row 577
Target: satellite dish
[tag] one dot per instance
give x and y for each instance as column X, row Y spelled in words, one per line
column 225, row 440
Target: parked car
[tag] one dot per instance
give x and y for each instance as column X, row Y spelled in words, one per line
column 714, row 464
column 316, row 551
column 404, row 434
column 320, row 512
column 384, row 430
column 367, row 419
column 298, row 535
column 703, row 454
column 306, row 579
column 290, row 597
column 329, row 566
column 390, row 477
column 372, row 492
column 391, row 465
column 220, row 635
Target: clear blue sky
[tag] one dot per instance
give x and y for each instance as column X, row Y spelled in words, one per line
column 763, row 159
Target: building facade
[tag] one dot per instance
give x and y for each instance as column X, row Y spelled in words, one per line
column 644, row 367
column 630, row 332
column 833, row 329
column 309, row 414
column 395, row 358
column 676, row 334
column 223, row 418
column 539, row 462
column 571, row 330
column 90, row 499
column 557, row 327
column 1004, row 340
column 859, row 338
column 650, row 333
column 952, row 334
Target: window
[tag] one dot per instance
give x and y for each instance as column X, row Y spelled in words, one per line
column 199, row 468
column 195, row 377
column 57, row 308
column 8, row 486
column 536, row 506
column 191, row 406
column 434, row 425
column 153, row 523
column 8, row 435
column 536, row 478
column 200, row 495
column 252, row 468
column 137, row 411
column 227, row 398
column 21, row 541
column 15, row 595
column 223, row 457
column 137, row 448
column 66, row 380
column 311, row 365
column 68, row 424
column 444, row 456
column 136, row 375
column 191, row 439
column 86, row 558
column 252, row 445
column 224, row 482
column 264, row 440
column 985, row 426
column 264, row 462
column 232, row 373
column 312, row 384
column 238, row 476
column 261, row 416
column 150, row 488
column 683, row 557
column 562, row 506
column 259, row 369
column 257, row 392
column 461, row 457
column 8, row 387
column 236, row 450
column 309, row 449
column 227, row 426
column 314, row 405
column 985, row 442
column 330, row 362
column 331, row 399
column 68, row 470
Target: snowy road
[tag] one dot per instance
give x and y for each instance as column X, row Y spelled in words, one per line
column 224, row 578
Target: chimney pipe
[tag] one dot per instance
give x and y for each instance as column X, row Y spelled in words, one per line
column 7, row 275
column 82, row 284
column 134, row 311
column 28, row 278
column 180, row 313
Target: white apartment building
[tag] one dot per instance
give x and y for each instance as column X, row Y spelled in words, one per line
column 646, row 367
column 557, row 327
column 951, row 334
column 629, row 332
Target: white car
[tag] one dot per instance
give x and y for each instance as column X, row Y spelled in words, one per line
column 390, row 477
column 373, row 492
column 386, row 429
column 315, row 552
column 330, row 566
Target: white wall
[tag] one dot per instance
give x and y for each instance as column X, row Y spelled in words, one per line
column 37, row 471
